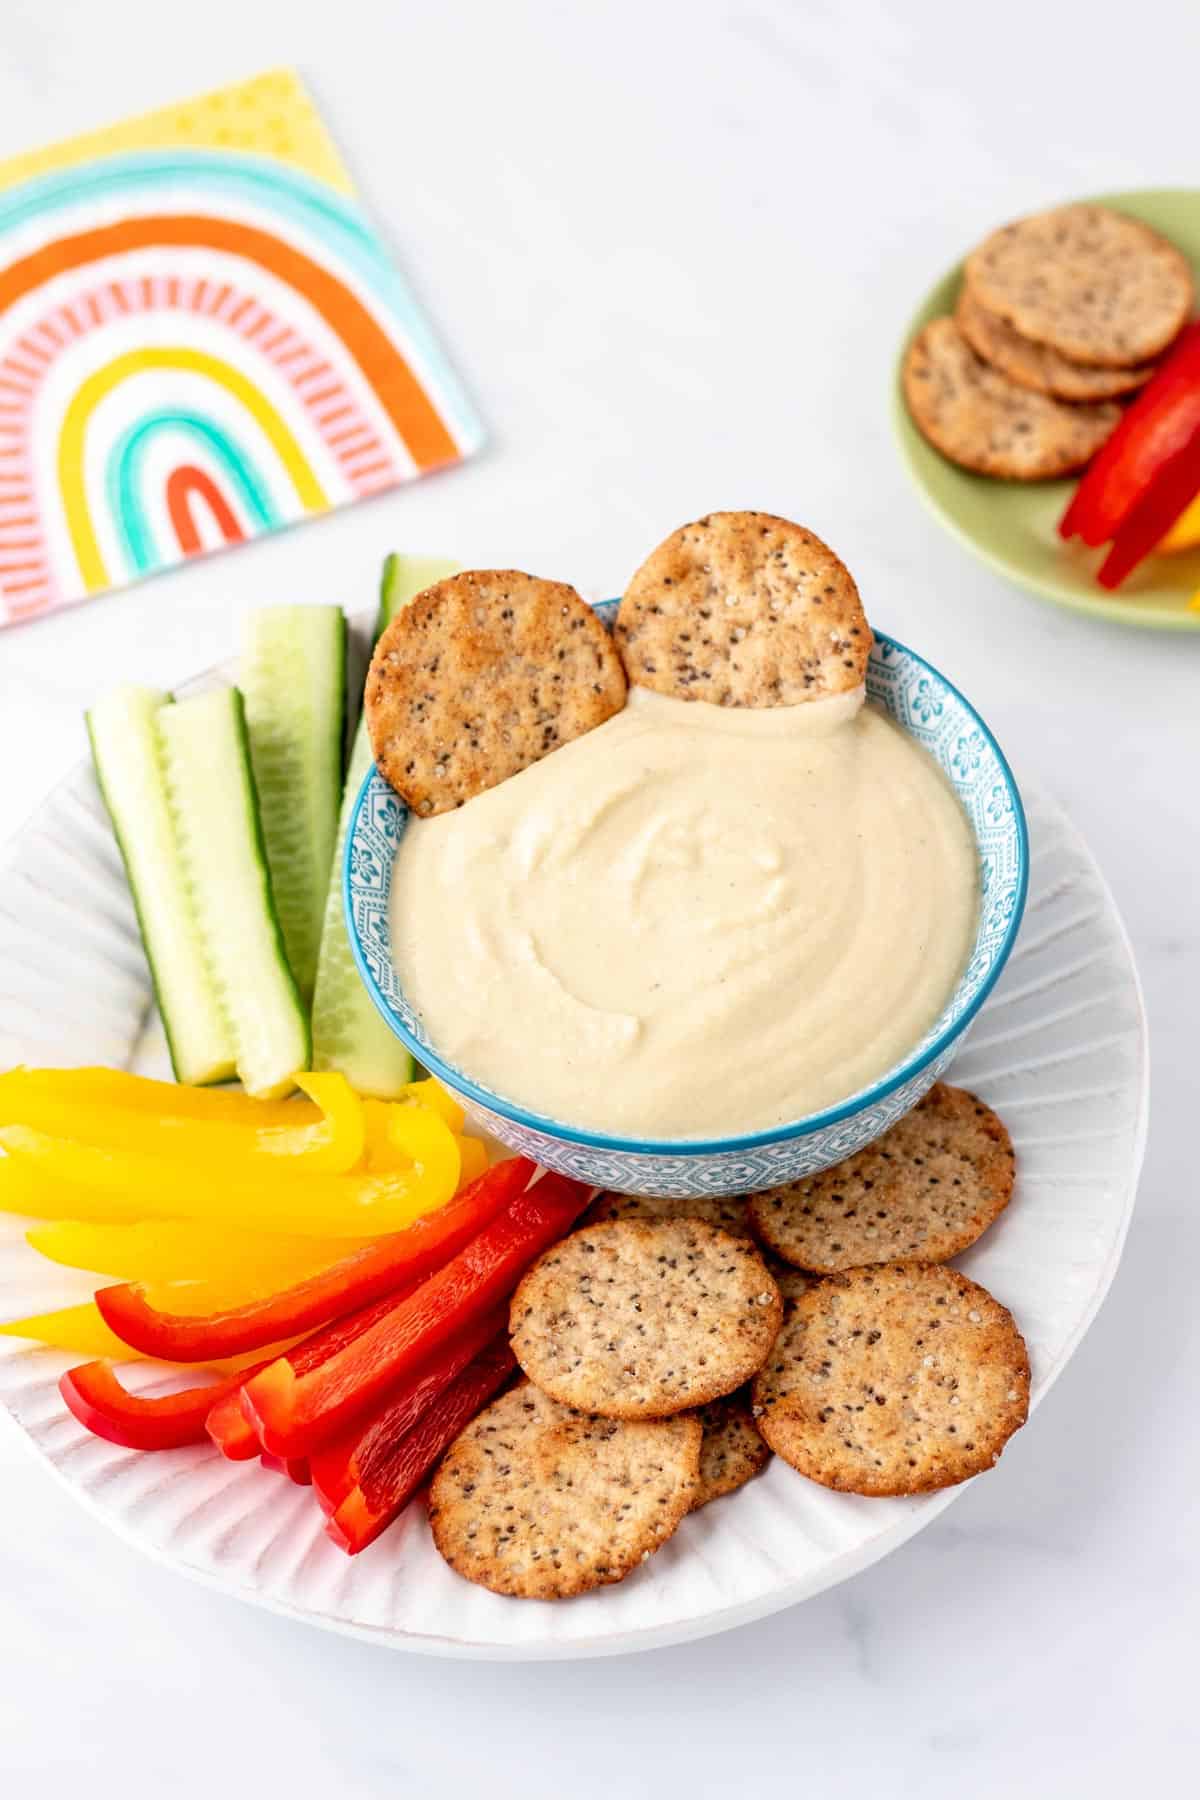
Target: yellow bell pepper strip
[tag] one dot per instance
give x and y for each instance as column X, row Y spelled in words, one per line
column 128, row 1185
column 334, row 1146
column 432, row 1094
column 386, row 1267
column 424, row 1138
column 473, row 1158
column 83, row 1331
column 429, row 1142
column 1184, row 533
column 186, row 1250
column 329, row 1139
column 22, row 1089
column 385, row 1152
column 196, row 1299
column 77, row 1328
column 380, row 1156
column 27, row 1189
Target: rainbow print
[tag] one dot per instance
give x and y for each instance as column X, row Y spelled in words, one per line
column 201, row 340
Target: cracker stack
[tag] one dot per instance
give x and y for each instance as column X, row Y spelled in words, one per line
column 638, row 1337
column 665, row 1357
column 1060, row 315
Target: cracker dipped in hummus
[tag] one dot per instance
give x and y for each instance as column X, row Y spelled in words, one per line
column 711, row 902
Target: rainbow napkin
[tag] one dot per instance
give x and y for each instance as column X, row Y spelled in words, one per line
column 201, row 339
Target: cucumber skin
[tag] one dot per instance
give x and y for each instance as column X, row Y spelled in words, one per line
column 251, row 793
column 346, row 1037
column 249, row 801
column 402, row 578
column 389, row 576
column 222, row 1072
column 303, row 940
column 360, row 1045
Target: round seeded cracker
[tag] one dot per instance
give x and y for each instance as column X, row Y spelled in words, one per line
column 633, row 1320
column 984, row 422
column 1094, row 284
column 790, row 1282
column 928, row 1188
column 727, row 1212
column 898, row 1378
column 1037, row 366
column 732, row 1450
column 538, row 1501
column 743, row 609
column 481, row 675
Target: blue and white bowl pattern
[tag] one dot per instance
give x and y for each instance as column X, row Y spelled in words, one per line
column 937, row 716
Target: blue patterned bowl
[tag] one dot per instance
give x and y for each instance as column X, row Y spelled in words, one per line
column 930, row 710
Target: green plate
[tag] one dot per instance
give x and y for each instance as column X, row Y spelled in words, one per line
column 1012, row 524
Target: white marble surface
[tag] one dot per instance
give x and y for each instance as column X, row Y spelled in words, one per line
column 671, row 247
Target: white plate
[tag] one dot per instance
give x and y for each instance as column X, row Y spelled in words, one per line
column 1059, row 1049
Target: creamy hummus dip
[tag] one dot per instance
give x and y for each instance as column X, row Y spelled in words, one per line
column 693, row 921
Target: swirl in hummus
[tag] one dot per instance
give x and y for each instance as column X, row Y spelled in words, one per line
column 693, row 921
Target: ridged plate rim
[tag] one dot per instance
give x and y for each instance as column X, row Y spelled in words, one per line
column 22, row 1370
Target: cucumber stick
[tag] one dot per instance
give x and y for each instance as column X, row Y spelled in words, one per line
column 348, row 1033
column 402, row 578
column 127, row 750
column 214, row 810
column 292, row 675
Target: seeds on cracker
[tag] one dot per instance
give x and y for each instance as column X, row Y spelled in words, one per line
column 481, row 675
column 542, row 1502
column 727, row 1213
column 743, row 609
column 1037, row 366
column 1094, row 284
column 790, row 1282
column 927, row 1188
column 732, row 1451
column 983, row 421
column 894, row 1379
column 637, row 1320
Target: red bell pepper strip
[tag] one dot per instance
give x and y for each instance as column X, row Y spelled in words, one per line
column 338, row 1466
column 1147, row 524
column 378, row 1268
column 296, row 1468
column 230, row 1429
column 386, row 1487
column 136, row 1421
column 227, row 1423
column 1160, row 426
column 296, row 1414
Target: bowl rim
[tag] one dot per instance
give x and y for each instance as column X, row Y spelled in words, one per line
column 811, row 1123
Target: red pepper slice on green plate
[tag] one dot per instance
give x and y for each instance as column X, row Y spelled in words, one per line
column 378, row 1268
column 296, row 1414
column 385, row 1489
column 1146, row 524
column 1160, row 427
